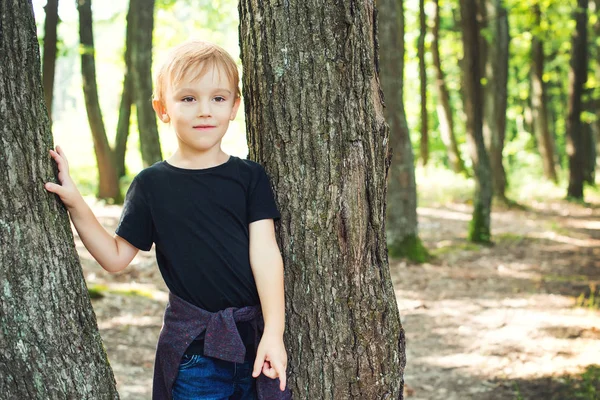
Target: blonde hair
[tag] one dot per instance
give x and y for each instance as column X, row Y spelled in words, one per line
column 192, row 60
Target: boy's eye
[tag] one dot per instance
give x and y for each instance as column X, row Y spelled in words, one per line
column 187, row 99
column 219, row 99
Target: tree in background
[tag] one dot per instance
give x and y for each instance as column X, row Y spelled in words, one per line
column 596, row 94
column 137, row 86
column 423, row 83
column 496, row 41
column 50, row 346
column 402, row 225
column 479, row 230
column 545, row 139
column 444, row 108
column 577, row 79
column 315, row 121
column 108, row 182
column 49, row 63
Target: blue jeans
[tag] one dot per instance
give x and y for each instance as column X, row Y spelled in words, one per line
column 207, row 378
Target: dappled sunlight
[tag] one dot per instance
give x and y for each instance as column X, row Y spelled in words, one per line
column 128, row 320
column 566, row 239
column 445, row 214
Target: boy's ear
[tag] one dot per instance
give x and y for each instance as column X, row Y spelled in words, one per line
column 161, row 111
column 234, row 110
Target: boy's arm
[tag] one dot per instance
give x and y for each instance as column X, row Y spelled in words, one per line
column 112, row 253
column 267, row 268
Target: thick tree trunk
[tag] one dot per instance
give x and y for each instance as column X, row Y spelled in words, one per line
column 479, row 231
column 545, row 139
column 444, row 109
column 141, row 61
column 423, row 83
column 496, row 92
column 577, row 80
column 315, row 121
column 49, row 342
column 108, row 183
column 126, row 98
column 49, row 63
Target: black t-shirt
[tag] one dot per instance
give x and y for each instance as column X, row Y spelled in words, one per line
column 198, row 220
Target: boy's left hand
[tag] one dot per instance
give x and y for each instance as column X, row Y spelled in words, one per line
column 271, row 358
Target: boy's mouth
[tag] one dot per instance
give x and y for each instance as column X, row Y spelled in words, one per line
column 203, row 126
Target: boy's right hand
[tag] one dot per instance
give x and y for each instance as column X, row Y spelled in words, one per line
column 67, row 191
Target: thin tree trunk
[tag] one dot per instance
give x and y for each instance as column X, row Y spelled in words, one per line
column 402, row 225
column 545, row 139
column 141, row 61
column 423, row 82
column 577, row 80
column 49, row 64
column 315, row 121
column 444, row 109
column 50, row 347
column 108, row 183
column 479, row 230
column 126, row 98
column 597, row 102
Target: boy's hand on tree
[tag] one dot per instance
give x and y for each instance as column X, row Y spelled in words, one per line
column 67, row 191
column 271, row 359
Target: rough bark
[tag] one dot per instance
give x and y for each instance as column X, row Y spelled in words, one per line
column 479, row 230
column 496, row 91
column 315, row 121
column 49, row 63
column 577, row 80
column 49, row 342
column 423, row 83
column 597, row 71
column 108, row 182
column 444, row 109
column 141, row 62
column 126, row 98
column 545, row 140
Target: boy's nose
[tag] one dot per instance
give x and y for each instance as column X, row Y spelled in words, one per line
column 203, row 109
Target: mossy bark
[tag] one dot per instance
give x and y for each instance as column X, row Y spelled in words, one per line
column 315, row 121
column 411, row 248
column 50, row 347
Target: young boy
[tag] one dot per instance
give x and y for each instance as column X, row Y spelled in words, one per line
column 210, row 216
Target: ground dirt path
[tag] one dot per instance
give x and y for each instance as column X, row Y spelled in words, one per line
column 483, row 323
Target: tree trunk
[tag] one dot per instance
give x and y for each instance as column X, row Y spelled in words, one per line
column 577, row 80
column 496, row 92
column 444, row 109
column 597, row 102
column 402, row 228
column 108, row 183
column 141, row 61
column 126, row 98
column 49, row 64
column 423, row 82
column 479, row 230
column 50, row 347
column 315, row 121
column 545, row 139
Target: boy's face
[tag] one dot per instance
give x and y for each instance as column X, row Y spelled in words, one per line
column 200, row 110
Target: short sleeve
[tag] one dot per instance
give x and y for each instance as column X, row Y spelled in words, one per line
column 136, row 224
column 261, row 202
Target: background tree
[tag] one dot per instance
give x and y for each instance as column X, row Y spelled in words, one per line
column 577, row 79
column 479, row 230
column 49, row 63
column 423, row 83
column 315, row 121
column 50, row 347
column 108, row 182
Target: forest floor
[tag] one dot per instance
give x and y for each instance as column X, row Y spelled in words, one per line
column 509, row 321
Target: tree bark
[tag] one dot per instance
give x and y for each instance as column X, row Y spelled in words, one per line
column 402, row 225
column 50, row 347
column 479, row 230
column 545, row 140
column 444, row 109
column 496, row 92
column 108, row 183
column 141, row 61
column 315, row 121
column 597, row 71
column 49, row 64
column 124, row 121
column 577, row 80
column 423, row 83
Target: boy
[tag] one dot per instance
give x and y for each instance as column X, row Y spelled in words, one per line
column 210, row 216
